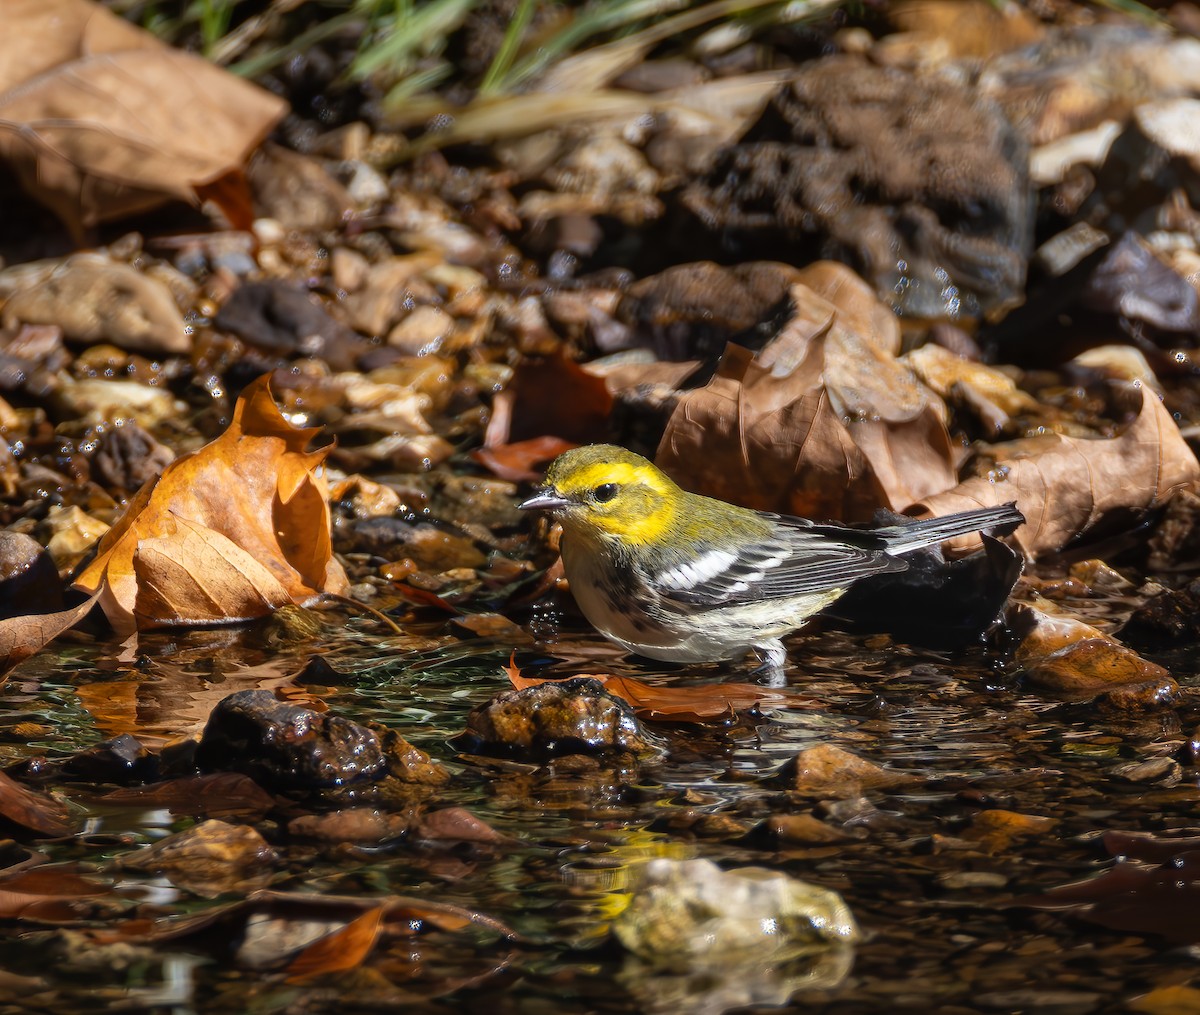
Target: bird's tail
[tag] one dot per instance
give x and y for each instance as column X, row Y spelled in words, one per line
column 928, row 531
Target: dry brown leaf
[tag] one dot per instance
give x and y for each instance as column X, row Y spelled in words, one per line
column 823, row 423
column 21, row 637
column 234, row 531
column 99, row 119
column 1064, row 485
column 677, row 704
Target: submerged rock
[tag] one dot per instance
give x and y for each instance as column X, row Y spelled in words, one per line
column 576, row 716
column 829, row 771
column 284, row 746
column 683, row 911
column 1070, row 657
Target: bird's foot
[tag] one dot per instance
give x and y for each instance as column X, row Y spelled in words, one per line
column 770, row 671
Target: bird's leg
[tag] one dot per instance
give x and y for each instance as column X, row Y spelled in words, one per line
column 770, row 672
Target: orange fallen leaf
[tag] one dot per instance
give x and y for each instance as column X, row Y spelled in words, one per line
column 101, row 120
column 674, row 703
column 231, row 532
column 337, row 952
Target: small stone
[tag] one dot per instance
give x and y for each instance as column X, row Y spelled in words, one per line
column 684, row 911
column 829, row 771
column 1160, row 771
column 422, row 332
column 362, row 825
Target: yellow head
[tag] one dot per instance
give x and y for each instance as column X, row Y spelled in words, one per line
column 603, row 491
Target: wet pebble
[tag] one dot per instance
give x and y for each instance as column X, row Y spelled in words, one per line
column 576, row 716
column 829, row 771
column 285, row 746
column 1159, row 771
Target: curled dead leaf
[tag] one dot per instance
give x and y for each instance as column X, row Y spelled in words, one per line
column 234, row 531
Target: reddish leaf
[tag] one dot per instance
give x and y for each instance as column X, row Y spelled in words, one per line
column 678, row 704
column 515, row 462
column 31, row 810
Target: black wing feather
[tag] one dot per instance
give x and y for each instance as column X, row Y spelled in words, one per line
column 798, row 558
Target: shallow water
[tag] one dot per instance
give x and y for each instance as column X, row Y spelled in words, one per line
column 944, row 927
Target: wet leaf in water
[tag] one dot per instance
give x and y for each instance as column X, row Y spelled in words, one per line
column 231, row 532
column 672, row 703
column 220, row 795
column 32, row 810
column 344, row 949
column 49, row 894
column 1133, row 896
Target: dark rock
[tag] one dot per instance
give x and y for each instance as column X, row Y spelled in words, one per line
column 858, row 158
column 935, row 602
column 283, row 317
column 122, row 760
column 284, row 746
column 29, row 581
column 575, row 716
column 690, row 311
column 1169, row 619
column 128, row 457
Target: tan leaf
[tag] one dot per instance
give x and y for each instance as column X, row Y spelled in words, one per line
column 99, row 119
column 233, row 531
column 1064, row 485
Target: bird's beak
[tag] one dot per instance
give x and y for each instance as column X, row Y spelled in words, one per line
column 544, row 500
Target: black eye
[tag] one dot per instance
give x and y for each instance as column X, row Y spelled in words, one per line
column 605, row 492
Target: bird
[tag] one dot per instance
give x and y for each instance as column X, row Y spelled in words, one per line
column 680, row 577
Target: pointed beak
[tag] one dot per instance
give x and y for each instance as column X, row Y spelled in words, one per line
column 544, row 500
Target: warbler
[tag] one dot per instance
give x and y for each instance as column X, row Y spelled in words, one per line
column 673, row 575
